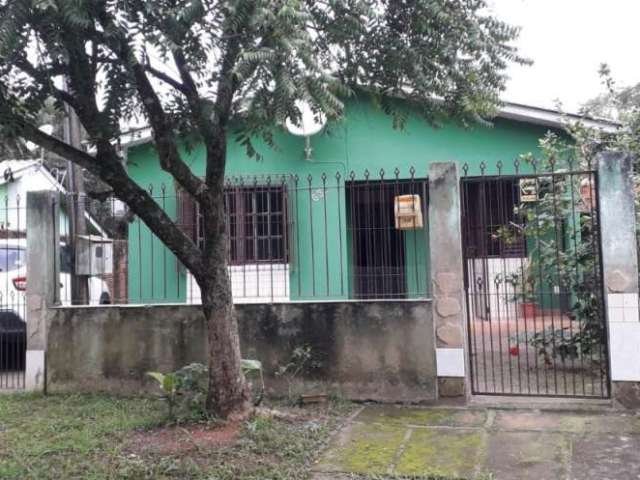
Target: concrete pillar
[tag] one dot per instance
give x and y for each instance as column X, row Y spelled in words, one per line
column 43, row 280
column 445, row 240
column 620, row 272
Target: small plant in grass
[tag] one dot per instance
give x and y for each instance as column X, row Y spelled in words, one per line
column 185, row 389
column 168, row 383
column 301, row 360
column 252, row 369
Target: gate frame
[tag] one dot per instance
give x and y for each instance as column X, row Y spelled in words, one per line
column 606, row 379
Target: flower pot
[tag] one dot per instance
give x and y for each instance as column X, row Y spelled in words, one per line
column 529, row 309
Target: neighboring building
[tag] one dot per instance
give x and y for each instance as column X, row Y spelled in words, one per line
column 298, row 235
column 17, row 178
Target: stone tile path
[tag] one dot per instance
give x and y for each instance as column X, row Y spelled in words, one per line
column 485, row 444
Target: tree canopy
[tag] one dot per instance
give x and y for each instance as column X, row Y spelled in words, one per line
column 621, row 104
column 186, row 65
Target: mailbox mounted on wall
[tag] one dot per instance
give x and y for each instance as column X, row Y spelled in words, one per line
column 408, row 212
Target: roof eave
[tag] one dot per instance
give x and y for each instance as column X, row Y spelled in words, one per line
column 553, row 118
column 510, row 111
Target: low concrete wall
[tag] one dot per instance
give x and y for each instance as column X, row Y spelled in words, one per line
column 362, row 350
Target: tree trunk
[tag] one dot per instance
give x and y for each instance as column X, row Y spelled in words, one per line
column 228, row 394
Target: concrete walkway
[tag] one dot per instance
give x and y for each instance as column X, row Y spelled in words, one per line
column 484, row 443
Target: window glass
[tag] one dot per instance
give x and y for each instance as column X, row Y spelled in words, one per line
column 256, row 224
column 11, row 258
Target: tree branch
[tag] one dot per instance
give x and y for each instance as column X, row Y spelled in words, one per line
column 166, row 79
column 201, row 119
column 111, row 171
column 191, row 91
column 224, row 101
column 164, row 136
column 45, row 80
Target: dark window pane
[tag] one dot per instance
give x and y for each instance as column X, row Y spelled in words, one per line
column 256, row 220
column 276, row 225
column 264, row 252
column 262, row 225
column 276, row 248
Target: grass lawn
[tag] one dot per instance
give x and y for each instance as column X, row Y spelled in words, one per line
column 104, row 437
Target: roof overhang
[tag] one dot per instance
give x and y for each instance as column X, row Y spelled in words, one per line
column 553, row 118
column 508, row 110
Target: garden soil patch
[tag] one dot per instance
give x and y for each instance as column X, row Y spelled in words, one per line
column 179, row 440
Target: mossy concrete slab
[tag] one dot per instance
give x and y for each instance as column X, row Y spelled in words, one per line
column 606, row 457
column 437, row 452
column 528, row 455
column 566, row 422
column 364, row 448
column 400, row 442
column 540, row 421
column 428, row 417
column 615, row 424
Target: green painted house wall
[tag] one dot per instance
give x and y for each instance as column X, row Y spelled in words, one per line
column 364, row 140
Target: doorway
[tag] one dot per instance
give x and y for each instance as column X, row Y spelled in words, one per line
column 385, row 260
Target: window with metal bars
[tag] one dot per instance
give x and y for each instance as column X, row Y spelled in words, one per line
column 491, row 225
column 256, row 218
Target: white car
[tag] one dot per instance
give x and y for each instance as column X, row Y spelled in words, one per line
column 13, row 278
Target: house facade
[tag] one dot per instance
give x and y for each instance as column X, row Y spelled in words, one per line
column 324, row 228
column 415, row 264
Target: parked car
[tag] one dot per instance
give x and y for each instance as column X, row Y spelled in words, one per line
column 13, row 341
column 13, row 284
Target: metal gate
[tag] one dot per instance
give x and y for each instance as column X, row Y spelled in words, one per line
column 13, row 331
column 533, row 281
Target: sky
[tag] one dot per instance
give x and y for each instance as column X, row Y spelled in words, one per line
column 568, row 40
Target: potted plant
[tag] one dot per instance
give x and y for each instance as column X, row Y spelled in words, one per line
column 523, row 284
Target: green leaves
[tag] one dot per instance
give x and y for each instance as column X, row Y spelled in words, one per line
column 251, row 366
column 185, row 389
column 287, row 50
column 167, row 382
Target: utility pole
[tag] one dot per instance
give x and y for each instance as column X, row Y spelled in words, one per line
column 76, row 200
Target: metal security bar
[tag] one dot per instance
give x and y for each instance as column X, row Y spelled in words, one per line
column 533, row 280
column 290, row 237
column 386, row 255
column 13, row 331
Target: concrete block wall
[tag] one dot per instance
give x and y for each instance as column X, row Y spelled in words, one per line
column 381, row 351
column 447, row 277
column 620, row 271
